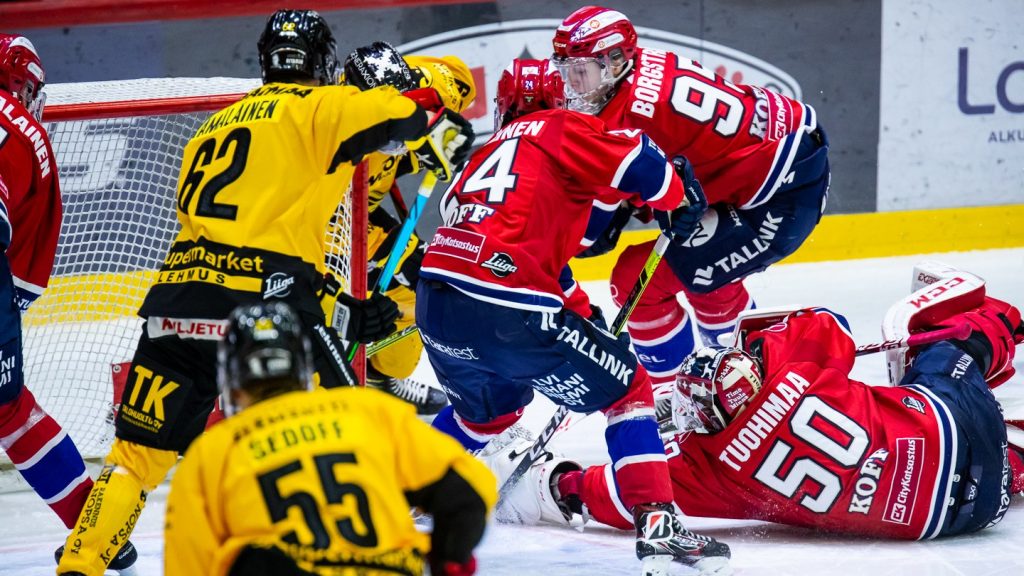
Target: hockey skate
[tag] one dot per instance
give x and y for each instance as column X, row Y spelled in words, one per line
column 427, row 399
column 123, row 563
column 661, row 539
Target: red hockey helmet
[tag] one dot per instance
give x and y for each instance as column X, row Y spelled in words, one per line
column 21, row 72
column 527, row 86
column 594, row 48
column 713, row 386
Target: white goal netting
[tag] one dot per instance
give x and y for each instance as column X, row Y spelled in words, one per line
column 118, row 148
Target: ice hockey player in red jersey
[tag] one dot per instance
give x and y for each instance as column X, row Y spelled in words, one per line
column 761, row 157
column 498, row 324
column 778, row 431
column 30, row 217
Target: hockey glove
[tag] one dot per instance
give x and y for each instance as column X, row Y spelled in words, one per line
column 996, row 329
column 353, row 319
column 446, row 145
column 609, row 238
column 680, row 223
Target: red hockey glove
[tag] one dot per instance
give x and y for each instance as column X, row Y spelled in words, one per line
column 996, row 329
column 426, row 98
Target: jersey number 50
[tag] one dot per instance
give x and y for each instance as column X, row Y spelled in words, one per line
column 806, row 424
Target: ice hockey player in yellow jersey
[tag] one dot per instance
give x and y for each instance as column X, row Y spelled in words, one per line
column 297, row 482
column 259, row 182
column 379, row 64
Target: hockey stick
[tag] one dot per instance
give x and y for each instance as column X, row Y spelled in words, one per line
column 958, row 332
column 402, row 240
column 558, row 418
column 390, row 339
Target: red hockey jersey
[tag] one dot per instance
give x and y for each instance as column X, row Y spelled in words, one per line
column 815, row 448
column 517, row 213
column 30, row 209
column 740, row 139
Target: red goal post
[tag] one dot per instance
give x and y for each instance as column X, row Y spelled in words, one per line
column 118, row 147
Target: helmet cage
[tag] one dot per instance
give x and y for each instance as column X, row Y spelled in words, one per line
column 714, row 385
column 590, row 81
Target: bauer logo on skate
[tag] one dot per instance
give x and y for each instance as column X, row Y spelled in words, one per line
column 899, row 507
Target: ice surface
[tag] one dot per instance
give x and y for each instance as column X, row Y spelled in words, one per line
column 861, row 290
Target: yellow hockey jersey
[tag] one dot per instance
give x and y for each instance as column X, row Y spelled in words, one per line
column 321, row 476
column 259, row 183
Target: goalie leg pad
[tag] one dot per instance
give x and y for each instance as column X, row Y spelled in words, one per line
column 955, row 293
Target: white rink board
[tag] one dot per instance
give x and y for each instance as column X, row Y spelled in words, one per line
column 861, row 290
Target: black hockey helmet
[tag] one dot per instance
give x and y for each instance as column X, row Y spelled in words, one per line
column 263, row 347
column 298, row 44
column 378, row 64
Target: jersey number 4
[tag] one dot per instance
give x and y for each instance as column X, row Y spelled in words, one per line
column 844, row 443
column 237, row 141
column 494, row 174
column 334, row 492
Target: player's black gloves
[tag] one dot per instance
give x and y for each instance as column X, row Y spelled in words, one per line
column 680, row 223
column 610, row 237
column 364, row 320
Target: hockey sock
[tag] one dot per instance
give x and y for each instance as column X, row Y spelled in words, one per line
column 636, row 450
column 106, row 522
column 472, row 435
column 662, row 344
column 114, row 505
column 717, row 310
column 45, row 456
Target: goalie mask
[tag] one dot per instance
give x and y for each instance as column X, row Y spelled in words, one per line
column 264, row 346
column 527, row 86
column 593, row 51
column 298, row 44
column 21, row 72
column 714, row 385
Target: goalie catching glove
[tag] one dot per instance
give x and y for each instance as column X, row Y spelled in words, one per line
column 447, row 144
column 357, row 320
column 680, row 223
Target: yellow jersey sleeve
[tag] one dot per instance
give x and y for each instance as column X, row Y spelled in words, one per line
column 190, row 540
column 430, row 453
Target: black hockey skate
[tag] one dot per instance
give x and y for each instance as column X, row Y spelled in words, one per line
column 427, row 399
column 123, row 563
column 661, row 539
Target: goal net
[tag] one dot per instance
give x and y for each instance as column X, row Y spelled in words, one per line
column 118, row 147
